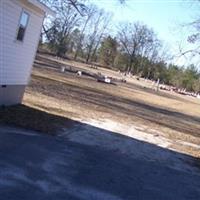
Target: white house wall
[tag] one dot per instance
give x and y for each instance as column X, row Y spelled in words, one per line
column 1, row 41
column 16, row 57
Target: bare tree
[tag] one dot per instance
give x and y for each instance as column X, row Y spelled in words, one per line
column 59, row 31
column 136, row 40
column 76, row 4
column 190, row 47
column 97, row 27
column 85, row 20
column 102, row 32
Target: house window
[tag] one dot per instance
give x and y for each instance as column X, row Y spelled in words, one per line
column 22, row 26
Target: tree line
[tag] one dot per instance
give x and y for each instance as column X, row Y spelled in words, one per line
column 85, row 33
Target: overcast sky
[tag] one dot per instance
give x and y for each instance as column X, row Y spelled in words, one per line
column 164, row 16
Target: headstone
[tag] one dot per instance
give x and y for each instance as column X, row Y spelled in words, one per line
column 62, row 69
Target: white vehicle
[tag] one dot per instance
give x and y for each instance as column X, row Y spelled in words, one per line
column 104, row 79
column 107, row 80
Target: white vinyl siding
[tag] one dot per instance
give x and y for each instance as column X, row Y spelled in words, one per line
column 1, row 42
column 16, row 58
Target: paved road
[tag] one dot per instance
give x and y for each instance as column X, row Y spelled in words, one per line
column 89, row 163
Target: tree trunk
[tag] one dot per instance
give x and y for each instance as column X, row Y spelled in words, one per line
column 88, row 56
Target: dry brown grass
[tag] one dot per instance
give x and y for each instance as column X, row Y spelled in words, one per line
column 84, row 97
column 68, row 96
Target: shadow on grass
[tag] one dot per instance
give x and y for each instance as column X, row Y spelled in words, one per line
column 87, row 163
column 105, row 101
column 33, row 119
column 45, row 62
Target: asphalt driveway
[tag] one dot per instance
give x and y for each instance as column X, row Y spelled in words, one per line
column 90, row 163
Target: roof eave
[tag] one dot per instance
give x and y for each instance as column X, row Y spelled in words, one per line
column 43, row 7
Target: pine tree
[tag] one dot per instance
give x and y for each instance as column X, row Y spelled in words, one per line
column 108, row 51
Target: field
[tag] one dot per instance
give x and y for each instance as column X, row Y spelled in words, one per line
column 173, row 118
column 76, row 138
column 134, row 109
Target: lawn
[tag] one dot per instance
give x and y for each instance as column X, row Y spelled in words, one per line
column 133, row 104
